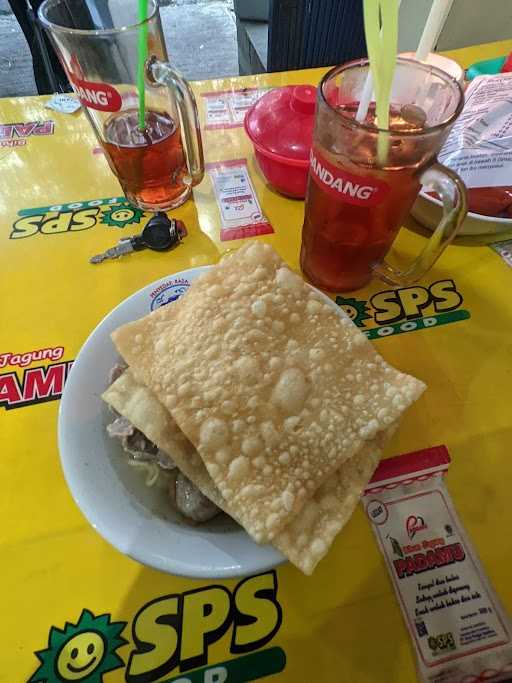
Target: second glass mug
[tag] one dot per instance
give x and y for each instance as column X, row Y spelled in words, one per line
column 97, row 42
column 356, row 201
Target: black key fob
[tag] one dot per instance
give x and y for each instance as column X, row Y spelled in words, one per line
column 161, row 233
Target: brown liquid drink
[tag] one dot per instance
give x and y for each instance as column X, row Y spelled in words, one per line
column 363, row 179
column 350, row 224
column 133, row 104
column 149, row 164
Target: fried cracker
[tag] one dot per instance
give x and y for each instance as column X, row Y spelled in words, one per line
column 274, row 389
column 307, row 539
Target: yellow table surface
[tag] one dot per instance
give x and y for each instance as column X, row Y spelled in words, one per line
column 344, row 622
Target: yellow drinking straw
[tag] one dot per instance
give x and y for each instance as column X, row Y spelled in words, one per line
column 381, row 31
column 141, row 64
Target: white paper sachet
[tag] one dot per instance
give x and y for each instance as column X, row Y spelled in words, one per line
column 65, row 104
column 459, row 630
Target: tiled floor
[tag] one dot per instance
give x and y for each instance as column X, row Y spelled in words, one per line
column 200, row 36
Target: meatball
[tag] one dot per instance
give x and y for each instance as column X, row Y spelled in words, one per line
column 190, row 501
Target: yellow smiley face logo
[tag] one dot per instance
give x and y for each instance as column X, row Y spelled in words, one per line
column 81, row 652
column 351, row 312
column 122, row 215
column 356, row 310
column 80, row 656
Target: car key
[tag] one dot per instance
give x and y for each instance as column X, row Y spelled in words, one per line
column 160, row 234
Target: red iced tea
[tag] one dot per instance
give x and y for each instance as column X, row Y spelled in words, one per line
column 354, row 208
column 150, row 164
column 364, row 179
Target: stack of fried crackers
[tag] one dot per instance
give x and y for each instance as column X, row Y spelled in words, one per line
column 270, row 402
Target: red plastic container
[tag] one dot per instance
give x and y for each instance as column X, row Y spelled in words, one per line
column 280, row 126
column 507, row 65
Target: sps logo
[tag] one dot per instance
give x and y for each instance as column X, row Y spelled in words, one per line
column 174, row 635
column 414, row 524
column 395, row 311
column 74, row 217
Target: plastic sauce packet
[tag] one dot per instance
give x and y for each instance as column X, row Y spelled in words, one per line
column 227, row 108
column 479, row 146
column 241, row 214
column 460, row 631
column 65, row 104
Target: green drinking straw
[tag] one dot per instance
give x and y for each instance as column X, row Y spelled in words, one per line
column 381, row 32
column 142, row 56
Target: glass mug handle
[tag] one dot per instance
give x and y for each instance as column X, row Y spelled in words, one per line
column 453, row 195
column 163, row 74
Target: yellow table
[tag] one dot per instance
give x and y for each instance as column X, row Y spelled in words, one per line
column 342, row 624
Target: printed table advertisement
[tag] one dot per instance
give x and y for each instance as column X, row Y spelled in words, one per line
column 76, row 609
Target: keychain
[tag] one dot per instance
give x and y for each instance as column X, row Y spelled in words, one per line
column 160, row 234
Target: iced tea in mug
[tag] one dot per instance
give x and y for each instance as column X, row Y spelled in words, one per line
column 150, row 163
column 98, row 41
column 356, row 200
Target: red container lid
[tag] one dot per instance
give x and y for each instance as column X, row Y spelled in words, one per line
column 281, row 122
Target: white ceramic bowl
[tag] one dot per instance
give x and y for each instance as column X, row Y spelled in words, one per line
column 427, row 211
column 449, row 66
column 113, row 496
column 134, row 518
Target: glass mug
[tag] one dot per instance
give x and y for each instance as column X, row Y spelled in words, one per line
column 97, row 43
column 355, row 203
